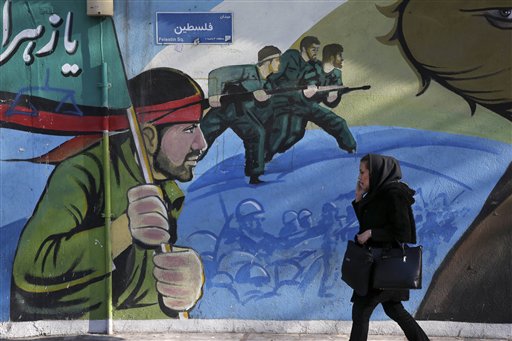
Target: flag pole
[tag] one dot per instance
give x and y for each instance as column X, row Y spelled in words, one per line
column 142, row 155
column 140, row 148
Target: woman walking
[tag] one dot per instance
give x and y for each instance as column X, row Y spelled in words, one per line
column 383, row 207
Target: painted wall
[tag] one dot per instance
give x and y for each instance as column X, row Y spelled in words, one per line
column 440, row 102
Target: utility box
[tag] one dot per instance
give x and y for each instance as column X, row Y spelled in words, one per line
column 100, row 7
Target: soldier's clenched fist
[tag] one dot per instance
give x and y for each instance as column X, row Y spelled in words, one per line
column 310, row 91
column 332, row 96
column 261, row 95
column 179, row 278
column 147, row 214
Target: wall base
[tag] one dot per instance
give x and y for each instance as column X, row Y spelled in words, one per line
column 432, row 328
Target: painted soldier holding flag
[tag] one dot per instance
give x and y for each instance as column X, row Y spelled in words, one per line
column 95, row 242
column 58, row 270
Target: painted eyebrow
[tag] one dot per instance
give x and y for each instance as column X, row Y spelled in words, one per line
column 193, row 125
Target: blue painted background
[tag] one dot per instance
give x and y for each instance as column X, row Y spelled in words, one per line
column 299, row 279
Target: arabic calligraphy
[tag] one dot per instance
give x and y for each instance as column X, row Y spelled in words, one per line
column 18, row 39
column 68, row 69
column 32, row 35
column 194, row 28
column 69, row 45
column 55, row 20
column 27, row 54
column 191, row 28
column 6, row 29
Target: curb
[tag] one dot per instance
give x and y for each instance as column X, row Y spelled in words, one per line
column 65, row 327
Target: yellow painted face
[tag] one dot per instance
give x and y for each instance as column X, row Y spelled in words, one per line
column 338, row 61
column 274, row 64
column 180, row 148
column 466, row 44
column 312, row 51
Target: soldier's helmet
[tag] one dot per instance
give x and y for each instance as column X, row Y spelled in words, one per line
column 289, row 216
column 304, row 214
column 267, row 53
column 253, row 274
column 249, row 208
column 329, row 207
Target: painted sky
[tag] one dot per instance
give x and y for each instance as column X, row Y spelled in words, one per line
column 256, row 24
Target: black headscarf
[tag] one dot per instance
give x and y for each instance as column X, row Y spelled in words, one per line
column 385, row 173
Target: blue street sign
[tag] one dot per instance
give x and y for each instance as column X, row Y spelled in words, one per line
column 194, row 28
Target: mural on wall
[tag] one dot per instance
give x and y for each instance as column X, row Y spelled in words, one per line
column 480, row 75
column 60, row 269
column 50, row 80
column 55, row 261
column 54, row 94
column 303, row 249
column 270, row 246
column 269, row 104
column 437, row 153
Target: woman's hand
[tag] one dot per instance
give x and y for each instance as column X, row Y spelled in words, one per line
column 362, row 238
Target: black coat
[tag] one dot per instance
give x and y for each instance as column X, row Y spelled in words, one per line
column 389, row 215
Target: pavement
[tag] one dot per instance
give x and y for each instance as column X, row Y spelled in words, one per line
column 226, row 337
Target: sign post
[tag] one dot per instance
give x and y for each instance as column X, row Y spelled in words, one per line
column 194, row 28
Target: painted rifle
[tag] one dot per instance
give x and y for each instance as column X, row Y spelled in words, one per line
column 233, row 93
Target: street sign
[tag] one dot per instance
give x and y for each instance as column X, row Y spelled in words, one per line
column 194, row 28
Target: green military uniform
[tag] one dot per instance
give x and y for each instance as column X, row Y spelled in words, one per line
column 331, row 78
column 328, row 120
column 239, row 112
column 293, row 110
column 293, row 72
column 59, row 270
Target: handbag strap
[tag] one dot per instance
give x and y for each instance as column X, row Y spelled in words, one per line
column 402, row 247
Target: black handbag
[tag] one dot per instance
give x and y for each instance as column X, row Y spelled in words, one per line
column 397, row 268
column 356, row 267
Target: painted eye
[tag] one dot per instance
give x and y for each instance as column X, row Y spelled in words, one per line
column 190, row 129
column 506, row 13
column 500, row 18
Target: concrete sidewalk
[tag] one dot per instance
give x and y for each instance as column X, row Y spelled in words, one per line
column 246, row 330
column 227, row 337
